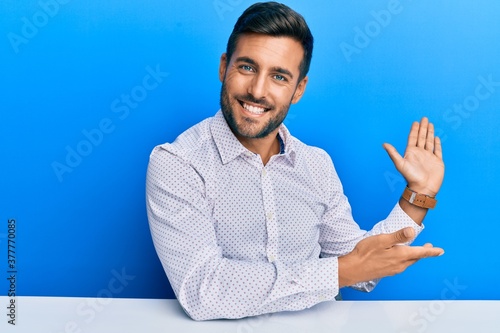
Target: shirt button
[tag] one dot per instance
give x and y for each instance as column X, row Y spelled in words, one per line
column 264, row 172
column 269, row 216
column 272, row 258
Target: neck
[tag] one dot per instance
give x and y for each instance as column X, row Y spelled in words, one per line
column 265, row 147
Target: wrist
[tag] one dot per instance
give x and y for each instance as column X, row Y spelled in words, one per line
column 422, row 190
column 342, row 278
column 419, row 199
column 345, row 269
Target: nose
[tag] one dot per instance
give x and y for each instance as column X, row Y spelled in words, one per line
column 258, row 86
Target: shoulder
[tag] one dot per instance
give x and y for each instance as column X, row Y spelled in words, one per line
column 172, row 166
column 180, row 158
column 187, row 144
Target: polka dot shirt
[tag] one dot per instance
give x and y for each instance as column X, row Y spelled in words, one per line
column 238, row 238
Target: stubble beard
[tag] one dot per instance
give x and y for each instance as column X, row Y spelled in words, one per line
column 246, row 130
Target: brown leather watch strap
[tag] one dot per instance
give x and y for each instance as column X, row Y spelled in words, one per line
column 419, row 200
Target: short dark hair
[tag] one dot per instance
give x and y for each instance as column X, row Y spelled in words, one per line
column 277, row 20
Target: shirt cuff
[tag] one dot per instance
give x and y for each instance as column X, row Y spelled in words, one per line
column 306, row 283
column 398, row 219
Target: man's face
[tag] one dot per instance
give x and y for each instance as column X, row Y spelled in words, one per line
column 259, row 83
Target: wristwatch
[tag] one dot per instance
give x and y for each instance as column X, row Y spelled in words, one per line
column 418, row 199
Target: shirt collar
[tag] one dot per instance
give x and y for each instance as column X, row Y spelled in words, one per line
column 288, row 143
column 230, row 147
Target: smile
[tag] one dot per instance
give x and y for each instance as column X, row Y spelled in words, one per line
column 256, row 110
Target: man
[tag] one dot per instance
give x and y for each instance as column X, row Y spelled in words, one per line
column 248, row 220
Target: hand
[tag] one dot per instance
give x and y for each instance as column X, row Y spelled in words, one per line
column 422, row 165
column 382, row 255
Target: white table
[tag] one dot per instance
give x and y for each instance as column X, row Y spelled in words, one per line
column 78, row 315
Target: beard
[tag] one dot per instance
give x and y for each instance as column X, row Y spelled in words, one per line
column 248, row 127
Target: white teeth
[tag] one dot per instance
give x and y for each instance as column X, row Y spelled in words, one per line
column 253, row 109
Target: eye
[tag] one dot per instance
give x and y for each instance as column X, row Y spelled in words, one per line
column 246, row 68
column 280, row 77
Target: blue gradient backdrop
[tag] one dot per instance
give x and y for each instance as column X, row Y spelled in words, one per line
column 88, row 88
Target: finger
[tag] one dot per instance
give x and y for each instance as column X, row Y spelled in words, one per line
column 413, row 137
column 402, row 236
column 438, row 150
column 420, row 252
column 429, row 143
column 422, row 132
column 427, row 245
column 387, row 241
column 396, row 158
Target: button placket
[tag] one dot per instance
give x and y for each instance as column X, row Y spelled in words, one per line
column 270, row 215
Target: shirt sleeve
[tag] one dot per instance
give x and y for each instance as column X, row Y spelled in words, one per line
column 339, row 233
column 208, row 285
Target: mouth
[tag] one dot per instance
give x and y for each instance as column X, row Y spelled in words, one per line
column 253, row 109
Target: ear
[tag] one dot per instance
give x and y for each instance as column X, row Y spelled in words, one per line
column 299, row 91
column 222, row 67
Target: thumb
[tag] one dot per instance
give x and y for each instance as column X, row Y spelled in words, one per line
column 403, row 235
column 393, row 154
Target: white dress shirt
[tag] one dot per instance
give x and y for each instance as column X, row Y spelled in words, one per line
column 238, row 238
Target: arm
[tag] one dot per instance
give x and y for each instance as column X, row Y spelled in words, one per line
column 339, row 233
column 384, row 255
column 208, row 284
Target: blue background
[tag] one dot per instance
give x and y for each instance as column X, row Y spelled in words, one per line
column 67, row 67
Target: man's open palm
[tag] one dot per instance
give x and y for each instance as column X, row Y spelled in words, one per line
column 422, row 165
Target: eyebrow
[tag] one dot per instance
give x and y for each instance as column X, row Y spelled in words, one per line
column 276, row 69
